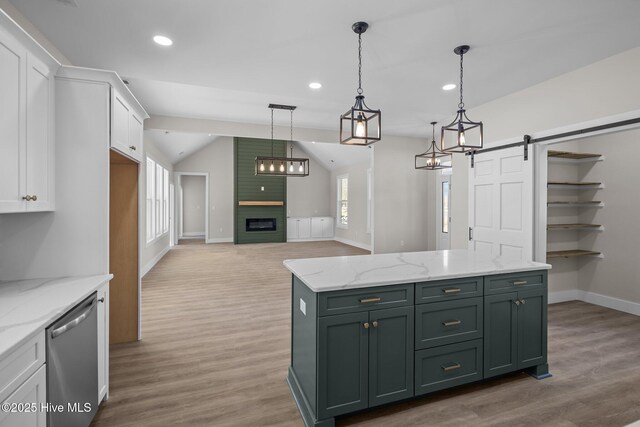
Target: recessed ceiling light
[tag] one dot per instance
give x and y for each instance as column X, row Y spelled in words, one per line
column 315, row 85
column 313, row 142
column 162, row 40
column 449, row 86
column 210, row 134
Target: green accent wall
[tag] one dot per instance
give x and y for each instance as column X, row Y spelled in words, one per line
column 248, row 187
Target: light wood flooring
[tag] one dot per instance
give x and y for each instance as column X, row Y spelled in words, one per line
column 215, row 352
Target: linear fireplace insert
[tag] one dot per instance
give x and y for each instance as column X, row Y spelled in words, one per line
column 260, row 224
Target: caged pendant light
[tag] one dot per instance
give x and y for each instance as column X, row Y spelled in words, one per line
column 277, row 165
column 360, row 125
column 433, row 158
column 462, row 134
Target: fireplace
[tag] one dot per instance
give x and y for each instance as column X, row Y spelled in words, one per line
column 261, row 224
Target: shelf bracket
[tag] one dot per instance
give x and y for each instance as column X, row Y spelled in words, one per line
column 527, row 141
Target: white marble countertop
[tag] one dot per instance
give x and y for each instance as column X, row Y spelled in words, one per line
column 29, row 306
column 363, row 271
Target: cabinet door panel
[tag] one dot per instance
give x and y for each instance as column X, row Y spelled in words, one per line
column 327, row 227
column 32, row 392
column 292, row 228
column 500, row 336
column 342, row 364
column 390, row 355
column 304, row 228
column 103, row 342
column 12, row 114
column 316, row 227
column 135, row 138
column 39, row 147
column 532, row 328
column 120, row 113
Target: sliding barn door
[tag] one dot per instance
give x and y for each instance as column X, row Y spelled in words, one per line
column 501, row 204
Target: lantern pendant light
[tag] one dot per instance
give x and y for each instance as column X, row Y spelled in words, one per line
column 277, row 165
column 360, row 125
column 462, row 134
column 433, row 158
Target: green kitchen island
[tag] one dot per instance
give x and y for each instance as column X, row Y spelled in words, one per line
column 374, row 329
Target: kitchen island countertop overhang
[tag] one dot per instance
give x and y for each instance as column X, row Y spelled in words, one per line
column 363, row 271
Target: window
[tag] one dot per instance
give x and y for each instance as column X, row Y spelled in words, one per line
column 157, row 201
column 343, row 201
column 445, row 206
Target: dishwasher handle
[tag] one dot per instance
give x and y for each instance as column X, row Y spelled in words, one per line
column 75, row 322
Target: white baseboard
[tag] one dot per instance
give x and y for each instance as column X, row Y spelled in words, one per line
column 193, row 235
column 310, row 239
column 353, row 243
column 154, row 261
column 220, row 240
column 596, row 299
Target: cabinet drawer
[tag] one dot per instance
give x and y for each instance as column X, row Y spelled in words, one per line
column 448, row 322
column 20, row 363
column 443, row 290
column 339, row 302
column 500, row 283
column 447, row 366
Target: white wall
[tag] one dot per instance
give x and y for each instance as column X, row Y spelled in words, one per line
column 601, row 89
column 404, row 198
column 151, row 252
column 309, row 196
column 356, row 230
column 216, row 159
column 193, row 205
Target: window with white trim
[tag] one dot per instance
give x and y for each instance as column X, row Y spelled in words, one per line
column 157, row 200
column 343, row 201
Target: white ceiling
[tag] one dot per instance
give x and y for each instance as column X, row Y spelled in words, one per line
column 231, row 58
column 332, row 155
column 178, row 145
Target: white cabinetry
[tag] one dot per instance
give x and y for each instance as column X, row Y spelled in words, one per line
column 32, row 394
column 322, row 227
column 126, row 127
column 103, row 342
column 298, row 228
column 26, row 123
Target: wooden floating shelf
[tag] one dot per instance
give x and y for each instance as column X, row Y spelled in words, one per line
column 571, row 253
column 574, row 184
column 260, row 203
column 572, row 155
column 575, row 204
column 574, row 227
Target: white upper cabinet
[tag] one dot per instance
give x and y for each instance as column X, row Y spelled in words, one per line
column 26, row 122
column 126, row 127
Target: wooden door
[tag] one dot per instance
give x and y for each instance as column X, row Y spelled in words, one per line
column 390, row 355
column 123, row 250
column 343, row 372
column 501, row 204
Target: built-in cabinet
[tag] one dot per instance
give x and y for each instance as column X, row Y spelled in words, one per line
column 27, row 133
column 103, row 342
column 359, row 348
column 126, row 127
column 310, row 228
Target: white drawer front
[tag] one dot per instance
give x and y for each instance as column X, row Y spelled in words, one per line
column 26, row 402
column 19, row 364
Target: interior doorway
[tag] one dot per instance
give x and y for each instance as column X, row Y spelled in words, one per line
column 192, row 200
column 443, row 210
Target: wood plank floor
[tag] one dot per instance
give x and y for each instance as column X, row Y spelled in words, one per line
column 215, row 352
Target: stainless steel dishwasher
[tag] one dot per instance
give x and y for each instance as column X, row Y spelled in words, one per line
column 72, row 366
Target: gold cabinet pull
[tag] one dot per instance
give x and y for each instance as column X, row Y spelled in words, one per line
column 375, row 323
column 451, row 290
column 366, row 325
column 452, row 322
column 370, row 300
column 451, row 367
column 519, row 282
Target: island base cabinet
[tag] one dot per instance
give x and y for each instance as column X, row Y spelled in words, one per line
column 515, row 332
column 365, row 360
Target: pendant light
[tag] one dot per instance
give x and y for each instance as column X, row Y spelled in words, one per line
column 360, row 125
column 433, row 158
column 462, row 134
column 277, row 165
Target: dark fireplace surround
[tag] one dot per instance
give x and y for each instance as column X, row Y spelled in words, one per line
column 260, row 224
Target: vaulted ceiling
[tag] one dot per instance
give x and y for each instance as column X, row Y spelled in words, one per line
column 231, row 58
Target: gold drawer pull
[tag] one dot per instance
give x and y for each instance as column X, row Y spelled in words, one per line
column 519, row 282
column 452, row 323
column 370, row 300
column 451, row 290
column 452, row 367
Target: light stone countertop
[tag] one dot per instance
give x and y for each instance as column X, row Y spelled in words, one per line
column 363, row 271
column 29, row 306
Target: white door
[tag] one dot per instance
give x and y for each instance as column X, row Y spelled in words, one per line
column 501, row 204
column 443, row 214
